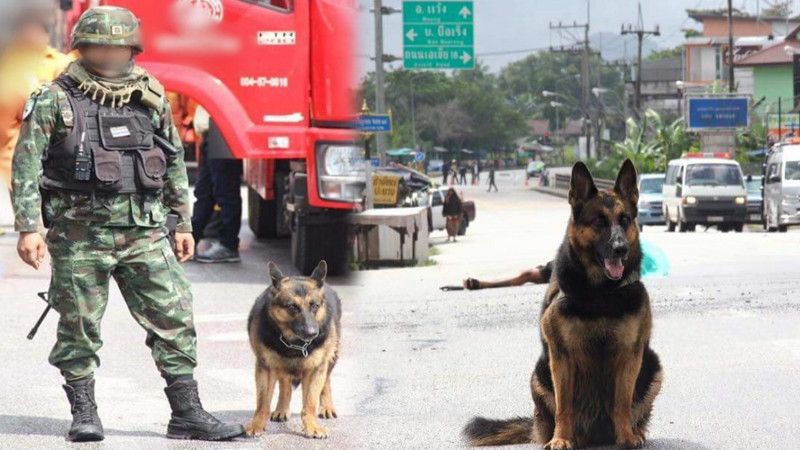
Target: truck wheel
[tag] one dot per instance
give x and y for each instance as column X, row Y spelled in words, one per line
column 782, row 228
column 462, row 225
column 313, row 243
column 262, row 215
column 739, row 227
column 670, row 223
column 767, row 225
column 641, row 228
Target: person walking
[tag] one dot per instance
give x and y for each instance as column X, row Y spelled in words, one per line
column 445, row 172
column 475, row 178
column 452, row 210
column 462, row 172
column 491, row 177
column 86, row 156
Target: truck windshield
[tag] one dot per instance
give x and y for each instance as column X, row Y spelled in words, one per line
column 713, row 175
column 754, row 186
column 791, row 170
column 651, row 185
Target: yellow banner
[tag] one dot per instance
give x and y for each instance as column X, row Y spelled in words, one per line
column 384, row 189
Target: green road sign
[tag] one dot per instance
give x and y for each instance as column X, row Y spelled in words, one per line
column 438, row 35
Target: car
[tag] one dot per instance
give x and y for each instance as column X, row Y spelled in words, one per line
column 704, row 189
column 433, row 198
column 754, row 198
column 782, row 186
column 650, row 200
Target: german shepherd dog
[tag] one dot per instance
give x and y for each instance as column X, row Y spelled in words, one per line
column 597, row 377
column 294, row 332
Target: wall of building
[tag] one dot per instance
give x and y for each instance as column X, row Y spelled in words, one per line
column 718, row 27
column 773, row 82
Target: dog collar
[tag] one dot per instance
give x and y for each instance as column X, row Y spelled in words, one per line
column 633, row 277
column 303, row 348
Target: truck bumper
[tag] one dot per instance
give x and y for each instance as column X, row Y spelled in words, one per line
column 650, row 217
column 790, row 217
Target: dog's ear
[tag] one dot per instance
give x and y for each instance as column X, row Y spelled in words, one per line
column 275, row 274
column 626, row 186
column 581, row 185
column 320, row 272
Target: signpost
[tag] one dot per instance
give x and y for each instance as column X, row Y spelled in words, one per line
column 717, row 113
column 438, row 35
column 789, row 125
column 375, row 123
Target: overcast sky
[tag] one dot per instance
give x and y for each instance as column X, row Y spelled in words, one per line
column 510, row 25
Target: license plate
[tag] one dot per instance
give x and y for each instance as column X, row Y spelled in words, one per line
column 715, row 218
column 755, row 217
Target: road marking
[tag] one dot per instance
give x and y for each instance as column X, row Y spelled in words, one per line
column 211, row 318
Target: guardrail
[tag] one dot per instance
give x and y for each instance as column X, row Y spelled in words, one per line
column 562, row 182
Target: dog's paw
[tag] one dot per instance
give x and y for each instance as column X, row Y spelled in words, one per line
column 254, row 430
column 279, row 416
column 558, row 444
column 633, row 441
column 316, row 432
column 327, row 412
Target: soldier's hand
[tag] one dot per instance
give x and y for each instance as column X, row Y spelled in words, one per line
column 31, row 248
column 184, row 246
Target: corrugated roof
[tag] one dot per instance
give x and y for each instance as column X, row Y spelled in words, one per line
column 774, row 54
column 539, row 127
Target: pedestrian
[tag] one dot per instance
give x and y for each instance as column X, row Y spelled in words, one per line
column 27, row 62
column 218, row 185
column 491, row 177
column 474, row 173
column 454, row 172
column 462, row 172
column 445, row 172
column 451, row 210
column 87, row 143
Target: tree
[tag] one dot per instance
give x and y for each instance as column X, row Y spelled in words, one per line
column 445, row 123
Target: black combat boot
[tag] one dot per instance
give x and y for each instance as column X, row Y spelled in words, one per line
column 190, row 420
column 86, row 424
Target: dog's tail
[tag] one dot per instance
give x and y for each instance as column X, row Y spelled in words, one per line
column 482, row 432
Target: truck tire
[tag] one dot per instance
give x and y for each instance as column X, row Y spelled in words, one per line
column 739, row 227
column 262, row 215
column 313, row 243
column 462, row 225
column 782, row 228
column 670, row 223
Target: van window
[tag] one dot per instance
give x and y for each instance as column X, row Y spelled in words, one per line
column 670, row 178
column 791, row 170
column 772, row 171
column 712, row 175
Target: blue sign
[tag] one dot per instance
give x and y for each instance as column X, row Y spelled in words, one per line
column 374, row 123
column 419, row 157
column 375, row 162
column 717, row 113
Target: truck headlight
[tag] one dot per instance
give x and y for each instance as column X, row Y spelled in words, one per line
column 741, row 200
column 341, row 172
column 689, row 200
column 788, row 200
column 643, row 204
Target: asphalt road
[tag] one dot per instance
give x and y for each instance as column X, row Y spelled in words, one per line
column 417, row 363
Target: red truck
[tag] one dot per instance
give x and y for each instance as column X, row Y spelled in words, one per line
column 278, row 79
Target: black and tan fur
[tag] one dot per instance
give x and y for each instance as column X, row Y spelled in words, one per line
column 295, row 311
column 597, row 378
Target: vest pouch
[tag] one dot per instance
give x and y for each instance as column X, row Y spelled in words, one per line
column 125, row 131
column 151, row 165
column 107, row 166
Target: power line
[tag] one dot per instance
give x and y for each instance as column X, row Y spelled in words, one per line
column 640, row 33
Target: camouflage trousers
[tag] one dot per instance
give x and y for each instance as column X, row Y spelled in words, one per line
column 152, row 282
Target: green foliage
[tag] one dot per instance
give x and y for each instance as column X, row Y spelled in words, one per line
column 666, row 53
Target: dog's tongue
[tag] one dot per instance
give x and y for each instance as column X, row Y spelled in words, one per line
column 615, row 267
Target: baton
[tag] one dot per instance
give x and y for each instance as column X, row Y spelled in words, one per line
column 43, row 296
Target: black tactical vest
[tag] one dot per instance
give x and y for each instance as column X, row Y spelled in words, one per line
column 109, row 150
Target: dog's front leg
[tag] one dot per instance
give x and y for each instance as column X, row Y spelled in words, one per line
column 265, row 387
column 626, row 371
column 281, row 413
column 313, row 382
column 563, row 372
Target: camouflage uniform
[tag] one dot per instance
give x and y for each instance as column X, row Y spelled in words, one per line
column 92, row 239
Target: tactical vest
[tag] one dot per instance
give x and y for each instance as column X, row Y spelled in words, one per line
column 109, row 150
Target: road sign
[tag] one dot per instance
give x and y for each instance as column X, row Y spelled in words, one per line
column 419, row 157
column 438, row 35
column 789, row 124
column 376, row 162
column 384, row 188
column 375, row 123
column 717, row 113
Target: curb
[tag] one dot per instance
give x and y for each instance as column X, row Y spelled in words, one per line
column 552, row 191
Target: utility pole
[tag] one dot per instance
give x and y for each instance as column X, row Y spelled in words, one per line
column 380, row 94
column 730, row 47
column 640, row 33
column 585, row 81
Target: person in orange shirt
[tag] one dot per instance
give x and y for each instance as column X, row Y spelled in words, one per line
column 26, row 63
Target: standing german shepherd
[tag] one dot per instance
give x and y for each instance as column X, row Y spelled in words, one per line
column 294, row 332
column 597, row 377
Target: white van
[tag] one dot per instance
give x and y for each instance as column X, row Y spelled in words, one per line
column 704, row 189
column 782, row 187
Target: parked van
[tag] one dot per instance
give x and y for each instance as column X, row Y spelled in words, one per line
column 782, row 187
column 704, row 189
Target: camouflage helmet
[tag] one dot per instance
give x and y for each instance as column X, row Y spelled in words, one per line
column 108, row 25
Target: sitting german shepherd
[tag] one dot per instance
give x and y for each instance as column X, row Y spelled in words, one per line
column 597, row 377
column 294, row 332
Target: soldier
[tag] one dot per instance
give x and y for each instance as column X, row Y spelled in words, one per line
column 86, row 156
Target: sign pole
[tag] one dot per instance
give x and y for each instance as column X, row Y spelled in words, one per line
column 369, row 201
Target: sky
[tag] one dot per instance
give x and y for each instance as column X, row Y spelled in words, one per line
column 522, row 25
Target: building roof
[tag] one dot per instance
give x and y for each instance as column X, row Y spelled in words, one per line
column 539, row 127
column 573, row 128
column 774, row 54
column 700, row 14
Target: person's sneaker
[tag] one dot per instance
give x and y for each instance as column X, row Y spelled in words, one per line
column 218, row 253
